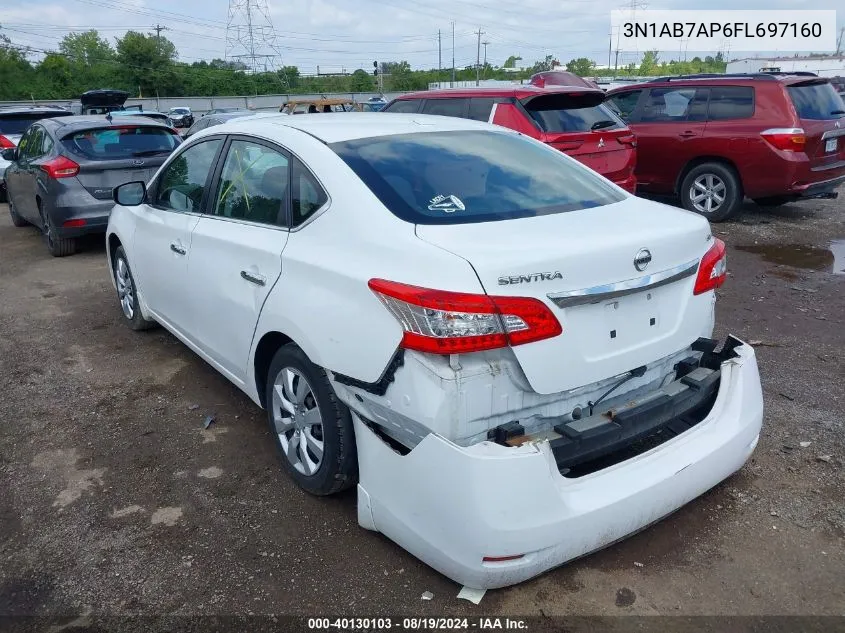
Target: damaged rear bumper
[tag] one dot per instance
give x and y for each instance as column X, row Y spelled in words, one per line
column 453, row 506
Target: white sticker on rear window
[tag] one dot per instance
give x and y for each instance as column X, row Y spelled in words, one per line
column 446, row 204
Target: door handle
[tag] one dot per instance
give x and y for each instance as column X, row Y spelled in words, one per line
column 179, row 250
column 687, row 134
column 258, row 280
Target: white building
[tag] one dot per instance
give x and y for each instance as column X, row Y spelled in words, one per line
column 822, row 66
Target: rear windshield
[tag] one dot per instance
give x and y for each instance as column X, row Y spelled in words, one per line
column 816, row 101
column 121, row 142
column 575, row 119
column 17, row 123
column 179, row 110
column 472, row 176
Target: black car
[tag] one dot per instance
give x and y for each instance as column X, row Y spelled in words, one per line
column 211, row 120
column 64, row 170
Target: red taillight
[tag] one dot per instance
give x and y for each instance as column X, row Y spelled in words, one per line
column 70, row 224
column 60, row 167
column 713, row 269
column 627, row 139
column 788, row 139
column 5, row 143
column 501, row 559
column 441, row 322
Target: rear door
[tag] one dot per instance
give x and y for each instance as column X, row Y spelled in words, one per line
column 820, row 112
column 162, row 241
column 581, row 126
column 236, row 250
column 669, row 124
column 114, row 155
column 455, row 107
column 26, row 173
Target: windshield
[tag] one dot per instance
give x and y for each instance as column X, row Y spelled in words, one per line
column 16, row 124
column 816, row 101
column 575, row 119
column 179, row 111
column 121, row 142
column 472, row 176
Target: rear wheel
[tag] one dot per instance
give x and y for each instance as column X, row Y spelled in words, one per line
column 127, row 293
column 58, row 246
column 774, row 201
column 17, row 220
column 312, row 429
column 712, row 190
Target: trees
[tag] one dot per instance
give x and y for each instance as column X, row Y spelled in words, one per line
column 361, row 81
column 148, row 60
column 86, row 48
column 581, row 66
column 510, row 62
column 548, row 63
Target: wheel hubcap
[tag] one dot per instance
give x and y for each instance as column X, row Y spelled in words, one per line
column 48, row 232
column 125, row 289
column 297, row 421
column 708, row 193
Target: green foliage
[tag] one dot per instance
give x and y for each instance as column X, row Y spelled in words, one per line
column 510, row 62
column 581, row 66
column 362, row 81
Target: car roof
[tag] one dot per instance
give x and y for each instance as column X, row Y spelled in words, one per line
column 30, row 109
column 350, row 126
column 70, row 124
column 518, row 92
column 739, row 79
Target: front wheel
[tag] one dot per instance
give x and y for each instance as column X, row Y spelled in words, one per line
column 127, row 293
column 312, row 430
column 712, row 190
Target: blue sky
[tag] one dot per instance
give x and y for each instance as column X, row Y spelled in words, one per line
column 350, row 34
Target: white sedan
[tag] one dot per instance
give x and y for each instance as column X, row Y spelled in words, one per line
column 506, row 353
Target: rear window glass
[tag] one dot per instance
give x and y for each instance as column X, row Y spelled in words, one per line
column 472, row 176
column 17, row 123
column 816, row 101
column 731, row 102
column 575, row 119
column 407, row 106
column 121, row 142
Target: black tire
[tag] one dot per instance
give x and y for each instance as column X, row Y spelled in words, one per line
column 132, row 312
column 17, row 220
column 58, row 246
column 338, row 467
column 724, row 181
column 774, row 201
column 4, row 197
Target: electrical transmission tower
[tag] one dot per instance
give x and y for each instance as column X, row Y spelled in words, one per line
column 250, row 36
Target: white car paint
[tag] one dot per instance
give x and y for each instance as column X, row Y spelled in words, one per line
column 456, row 497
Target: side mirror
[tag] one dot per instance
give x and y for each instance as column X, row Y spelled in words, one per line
column 130, row 194
column 10, row 154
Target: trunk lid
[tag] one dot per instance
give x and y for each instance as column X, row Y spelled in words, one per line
column 820, row 113
column 103, row 98
column 101, row 177
column 590, row 249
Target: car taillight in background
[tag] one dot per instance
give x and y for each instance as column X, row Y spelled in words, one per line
column 441, row 322
column 788, row 139
column 5, row 143
column 60, row 167
column 713, row 269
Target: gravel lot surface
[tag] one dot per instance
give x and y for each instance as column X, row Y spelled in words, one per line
column 115, row 500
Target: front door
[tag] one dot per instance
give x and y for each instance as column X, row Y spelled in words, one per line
column 236, row 251
column 162, row 242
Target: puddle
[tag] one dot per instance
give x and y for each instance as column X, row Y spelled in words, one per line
column 831, row 259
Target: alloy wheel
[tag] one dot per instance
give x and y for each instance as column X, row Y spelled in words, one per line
column 125, row 288
column 708, row 193
column 297, row 421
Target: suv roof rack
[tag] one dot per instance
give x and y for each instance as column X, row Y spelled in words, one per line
column 765, row 76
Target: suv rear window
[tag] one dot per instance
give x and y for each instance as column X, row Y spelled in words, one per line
column 18, row 122
column 116, row 143
column 574, row 118
column 816, row 101
column 472, row 176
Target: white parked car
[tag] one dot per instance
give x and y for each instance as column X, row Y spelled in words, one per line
column 508, row 354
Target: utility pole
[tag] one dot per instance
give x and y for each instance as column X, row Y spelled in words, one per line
column 158, row 28
column 839, row 41
column 452, row 83
column 484, row 44
column 439, row 57
column 609, row 46
column 478, row 58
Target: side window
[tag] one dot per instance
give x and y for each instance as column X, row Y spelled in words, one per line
column 23, row 145
column 253, row 184
column 182, row 184
column 46, row 144
column 625, row 103
column 480, row 108
column 673, row 104
column 731, row 102
column 446, row 107
column 307, row 196
column 34, row 141
column 406, row 106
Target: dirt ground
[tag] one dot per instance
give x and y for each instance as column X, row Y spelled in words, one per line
column 115, row 500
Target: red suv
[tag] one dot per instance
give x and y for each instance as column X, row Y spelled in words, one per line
column 713, row 139
column 572, row 119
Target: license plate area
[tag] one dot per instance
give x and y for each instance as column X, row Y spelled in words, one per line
column 830, row 145
column 632, row 319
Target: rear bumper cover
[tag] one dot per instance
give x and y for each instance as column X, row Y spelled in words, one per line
column 451, row 506
column 94, row 214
